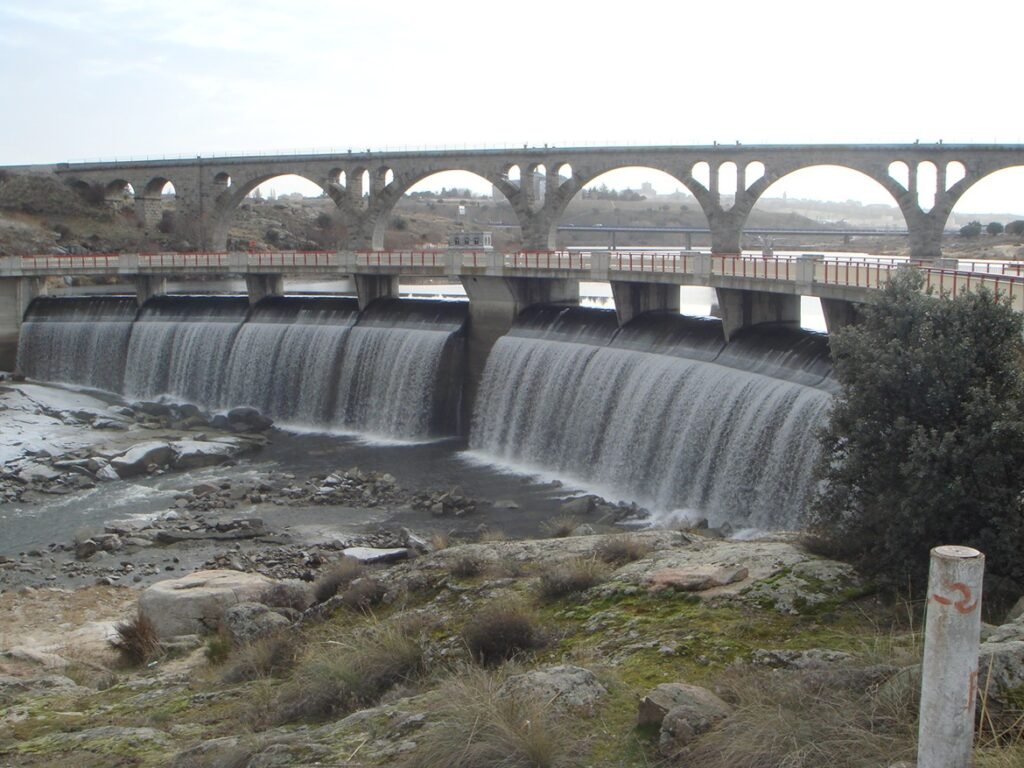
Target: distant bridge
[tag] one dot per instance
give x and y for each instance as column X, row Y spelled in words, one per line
column 366, row 186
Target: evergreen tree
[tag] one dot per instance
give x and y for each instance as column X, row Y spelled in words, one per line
column 925, row 444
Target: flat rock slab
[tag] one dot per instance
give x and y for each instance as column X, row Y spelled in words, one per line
column 195, row 604
column 696, row 578
column 376, row 555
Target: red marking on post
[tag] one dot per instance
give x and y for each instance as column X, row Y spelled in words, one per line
column 972, row 690
column 964, row 604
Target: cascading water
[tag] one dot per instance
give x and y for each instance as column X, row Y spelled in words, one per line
column 77, row 341
column 284, row 360
column 395, row 370
column 401, row 372
column 662, row 411
column 180, row 347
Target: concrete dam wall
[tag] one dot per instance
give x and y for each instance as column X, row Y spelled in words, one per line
column 661, row 410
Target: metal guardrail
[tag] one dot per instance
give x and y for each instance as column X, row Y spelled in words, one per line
column 1006, row 278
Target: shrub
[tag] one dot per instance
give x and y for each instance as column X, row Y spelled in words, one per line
column 136, row 641
column 339, row 575
column 363, row 594
column 336, row 678
column 218, row 647
column 293, row 595
column 501, row 632
column 925, row 443
column 268, row 656
column 619, row 550
column 481, row 726
column 466, row 566
column 570, row 577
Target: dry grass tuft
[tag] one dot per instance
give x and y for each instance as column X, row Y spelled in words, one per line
column 363, row 594
column 502, row 632
column 136, row 641
column 571, row 577
column 560, row 527
column 805, row 720
column 269, row 656
column 467, row 566
column 619, row 550
column 335, row 678
column 338, row 576
column 481, row 727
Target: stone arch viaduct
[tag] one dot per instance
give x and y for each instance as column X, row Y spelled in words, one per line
column 365, row 186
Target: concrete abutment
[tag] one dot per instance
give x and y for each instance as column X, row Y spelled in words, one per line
column 741, row 308
column 16, row 293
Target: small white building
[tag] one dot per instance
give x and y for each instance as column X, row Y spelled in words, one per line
column 474, row 241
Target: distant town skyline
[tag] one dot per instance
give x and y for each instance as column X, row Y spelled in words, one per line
column 119, row 78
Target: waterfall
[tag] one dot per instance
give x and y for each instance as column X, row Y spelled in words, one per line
column 662, row 411
column 394, row 370
column 180, row 347
column 401, row 372
column 77, row 341
column 284, row 360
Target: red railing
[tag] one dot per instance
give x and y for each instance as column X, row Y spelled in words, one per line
column 431, row 258
column 669, row 262
column 170, row 260
column 853, row 273
column 71, row 261
column 548, row 260
column 763, row 267
column 290, row 258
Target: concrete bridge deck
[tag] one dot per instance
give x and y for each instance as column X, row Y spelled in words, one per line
column 850, row 280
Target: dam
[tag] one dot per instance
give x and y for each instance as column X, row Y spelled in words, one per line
column 663, row 409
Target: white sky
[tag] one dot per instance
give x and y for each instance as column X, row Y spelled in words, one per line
column 107, row 79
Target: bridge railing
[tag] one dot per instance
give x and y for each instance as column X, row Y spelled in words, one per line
column 424, row 258
column 853, row 273
column 666, row 262
column 292, row 258
column 172, row 260
column 756, row 267
column 78, row 262
column 953, row 283
column 548, row 260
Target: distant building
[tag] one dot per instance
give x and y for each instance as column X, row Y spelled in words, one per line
column 475, row 241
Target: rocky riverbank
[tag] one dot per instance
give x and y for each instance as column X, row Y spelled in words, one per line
column 665, row 648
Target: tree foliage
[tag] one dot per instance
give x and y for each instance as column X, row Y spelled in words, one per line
column 971, row 229
column 925, row 444
column 994, row 228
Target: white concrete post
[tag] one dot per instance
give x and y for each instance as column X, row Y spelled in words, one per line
column 949, row 672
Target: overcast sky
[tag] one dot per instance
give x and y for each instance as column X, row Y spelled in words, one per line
column 108, row 79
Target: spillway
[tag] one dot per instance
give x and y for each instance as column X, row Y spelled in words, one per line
column 661, row 410
column 77, row 341
column 394, row 370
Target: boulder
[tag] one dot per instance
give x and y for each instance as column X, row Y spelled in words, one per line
column 140, row 457
column 567, row 688
column 247, row 419
column 696, row 578
column 682, row 712
column 668, row 696
column 195, row 604
column 376, row 554
column 1001, row 669
column 246, row 622
column 579, row 507
column 191, row 454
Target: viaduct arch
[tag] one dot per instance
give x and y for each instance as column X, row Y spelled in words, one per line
column 209, row 189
